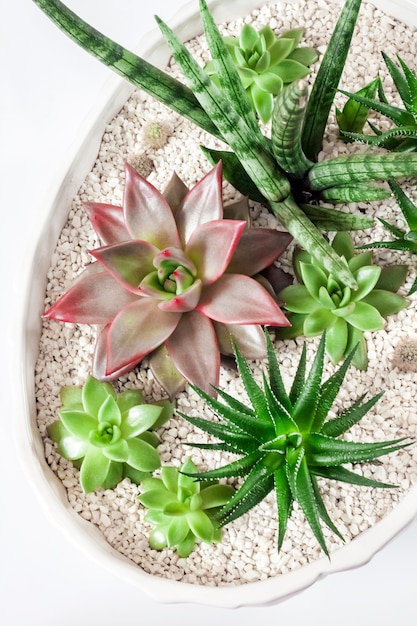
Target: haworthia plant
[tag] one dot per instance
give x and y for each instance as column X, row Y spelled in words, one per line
column 286, row 441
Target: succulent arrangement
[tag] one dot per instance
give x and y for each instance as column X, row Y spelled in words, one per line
column 107, row 433
column 180, row 280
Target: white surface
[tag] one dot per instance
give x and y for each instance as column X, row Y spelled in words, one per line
column 50, row 86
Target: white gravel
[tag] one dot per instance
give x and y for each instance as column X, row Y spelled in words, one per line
column 248, row 552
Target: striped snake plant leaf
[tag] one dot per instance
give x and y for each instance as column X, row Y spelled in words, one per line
column 249, row 149
column 228, row 76
column 364, row 167
column 287, row 121
column 293, row 450
column 327, row 80
column 139, row 72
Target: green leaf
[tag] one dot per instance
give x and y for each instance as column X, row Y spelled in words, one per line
column 344, row 475
column 305, row 406
column 118, row 451
column 302, row 490
column 366, row 277
column 328, row 76
column 365, row 317
column 354, row 115
column 336, row 339
column 318, row 321
column 177, row 531
column 385, row 302
column 215, row 495
column 94, row 394
column 297, row 299
column 109, row 412
column 77, row 423
column 94, row 469
column 284, row 502
column 201, row 525
column 248, row 37
column 157, row 498
column 71, row 398
column 139, row 419
column 350, row 416
column 185, row 548
column 169, row 476
column 142, row 455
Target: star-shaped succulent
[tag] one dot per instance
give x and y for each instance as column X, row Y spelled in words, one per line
column 171, row 275
column 285, row 441
column 181, row 508
column 320, row 301
column 106, row 434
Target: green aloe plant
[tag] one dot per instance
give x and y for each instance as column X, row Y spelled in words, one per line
column 285, row 441
column 319, row 301
column 181, row 508
column 266, row 64
column 404, row 240
column 106, row 434
column 403, row 136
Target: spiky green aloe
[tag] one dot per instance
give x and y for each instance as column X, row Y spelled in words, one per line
column 404, row 239
column 403, row 136
column 285, row 441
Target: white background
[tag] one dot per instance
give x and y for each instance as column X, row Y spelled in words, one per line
column 49, row 85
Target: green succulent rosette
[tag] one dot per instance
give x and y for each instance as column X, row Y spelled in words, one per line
column 181, row 508
column 320, row 302
column 266, row 64
column 106, row 433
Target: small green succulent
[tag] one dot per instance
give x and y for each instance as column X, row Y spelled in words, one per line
column 403, row 136
column 106, row 433
column 182, row 508
column 322, row 302
column 285, row 441
column 266, row 64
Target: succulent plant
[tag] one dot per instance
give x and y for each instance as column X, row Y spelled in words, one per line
column 155, row 134
column 266, row 64
column 182, row 508
column 403, row 136
column 405, row 355
column 285, row 441
column 404, row 240
column 321, row 302
column 106, row 434
column 167, row 276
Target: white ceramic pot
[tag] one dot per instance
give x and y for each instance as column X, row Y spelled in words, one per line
column 52, row 493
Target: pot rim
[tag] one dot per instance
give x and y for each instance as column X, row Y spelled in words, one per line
column 26, row 333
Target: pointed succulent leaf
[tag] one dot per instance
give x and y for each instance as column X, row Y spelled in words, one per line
column 139, row 419
column 95, row 298
column 212, row 245
column 154, row 222
column 108, row 222
column 94, row 469
column 223, row 302
column 128, row 262
column 78, row 423
column 142, row 455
